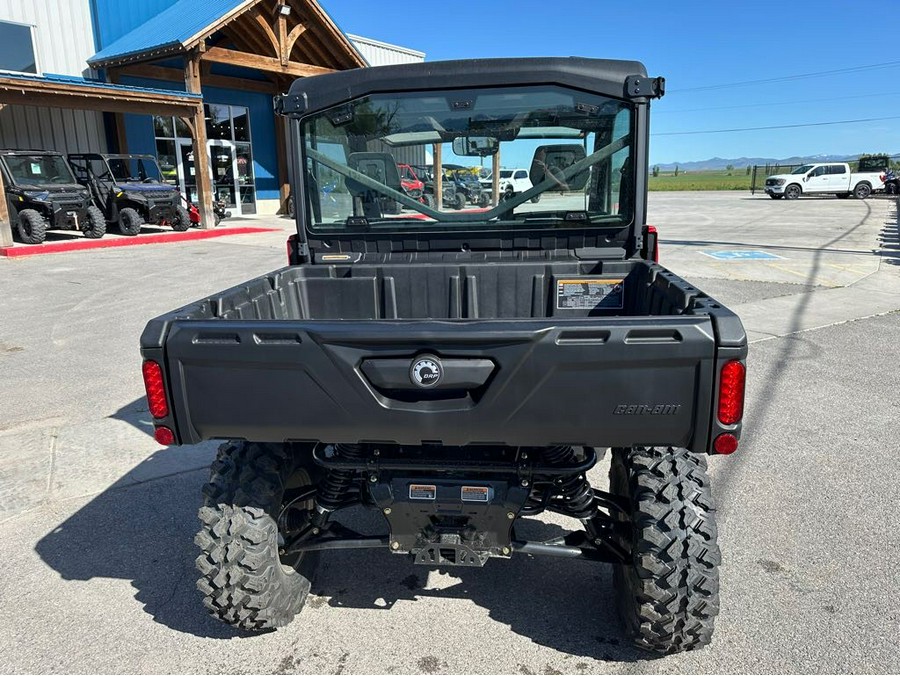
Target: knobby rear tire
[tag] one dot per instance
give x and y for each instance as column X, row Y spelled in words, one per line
column 243, row 580
column 668, row 592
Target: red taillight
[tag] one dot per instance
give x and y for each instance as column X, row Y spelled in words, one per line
column 156, row 389
column 164, row 436
column 731, row 392
column 654, row 234
column 291, row 246
column 725, row 444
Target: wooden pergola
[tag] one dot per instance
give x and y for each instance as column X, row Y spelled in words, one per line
column 85, row 95
column 280, row 40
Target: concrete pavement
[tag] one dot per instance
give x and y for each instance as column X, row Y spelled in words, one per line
column 96, row 521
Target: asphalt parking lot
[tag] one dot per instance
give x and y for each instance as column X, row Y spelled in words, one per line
column 97, row 521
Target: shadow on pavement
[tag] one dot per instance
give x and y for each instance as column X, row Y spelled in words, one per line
column 565, row 605
column 144, row 534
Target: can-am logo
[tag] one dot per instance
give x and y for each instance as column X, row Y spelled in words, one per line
column 646, row 409
column 426, row 372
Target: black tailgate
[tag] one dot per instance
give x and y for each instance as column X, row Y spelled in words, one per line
column 596, row 382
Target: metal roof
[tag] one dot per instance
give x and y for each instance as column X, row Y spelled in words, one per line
column 82, row 82
column 168, row 30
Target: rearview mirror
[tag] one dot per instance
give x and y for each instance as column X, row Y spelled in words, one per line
column 475, row 146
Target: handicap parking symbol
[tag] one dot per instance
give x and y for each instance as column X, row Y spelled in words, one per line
column 742, row 255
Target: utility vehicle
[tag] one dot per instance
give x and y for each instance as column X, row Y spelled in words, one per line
column 130, row 191
column 458, row 372
column 42, row 194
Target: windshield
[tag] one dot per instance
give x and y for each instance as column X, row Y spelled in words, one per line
column 571, row 152
column 802, row 169
column 134, row 169
column 39, row 170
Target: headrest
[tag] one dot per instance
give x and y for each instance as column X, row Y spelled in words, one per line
column 552, row 161
column 379, row 167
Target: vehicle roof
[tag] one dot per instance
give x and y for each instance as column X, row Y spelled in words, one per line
column 114, row 156
column 19, row 151
column 605, row 76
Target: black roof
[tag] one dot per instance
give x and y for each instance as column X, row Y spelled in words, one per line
column 20, row 151
column 620, row 79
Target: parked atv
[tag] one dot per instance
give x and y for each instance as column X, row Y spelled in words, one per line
column 467, row 183
column 451, row 198
column 130, row 191
column 42, row 194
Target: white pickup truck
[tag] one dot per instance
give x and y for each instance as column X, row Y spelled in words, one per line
column 832, row 178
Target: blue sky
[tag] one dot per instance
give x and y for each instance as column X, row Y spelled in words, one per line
column 693, row 45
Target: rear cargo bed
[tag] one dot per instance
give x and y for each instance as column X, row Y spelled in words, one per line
column 566, row 352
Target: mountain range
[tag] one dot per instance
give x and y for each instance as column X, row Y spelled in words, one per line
column 741, row 162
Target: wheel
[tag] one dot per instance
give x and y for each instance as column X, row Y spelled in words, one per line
column 130, row 222
column 244, row 580
column 483, row 199
column 290, row 206
column 217, row 217
column 31, row 226
column 774, row 196
column 668, row 591
column 95, row 227
column 792, row 192
column 459, row 201
column 535, row 199
column 182, row 220
column 862, row 190
column 428, row 200
column 891, row 188
column 843, row 195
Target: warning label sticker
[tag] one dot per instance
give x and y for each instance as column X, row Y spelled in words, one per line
column 475, row 493
column 422, row 491
column 589, row 294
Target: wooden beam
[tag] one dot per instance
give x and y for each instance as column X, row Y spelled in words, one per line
column 495, row 178
column 281, row 141
column 281, row 25
column 288, row 45
column 108, row 103
column 437, row 168
column 6, row 236
column 175, row 75
column 245, row 60
column 267, row 30
column 201, row 155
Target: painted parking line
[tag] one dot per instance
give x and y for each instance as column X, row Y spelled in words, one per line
column 742, row 255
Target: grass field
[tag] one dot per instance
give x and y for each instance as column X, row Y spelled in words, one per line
column 702, row 180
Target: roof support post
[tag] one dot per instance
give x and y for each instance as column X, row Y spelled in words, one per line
column 6, row 236
column 437, row 168
column 201, row 154
column 495, row 178
column 281, row 141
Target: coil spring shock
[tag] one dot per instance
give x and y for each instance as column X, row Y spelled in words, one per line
column 333, row 490
column 576, row 495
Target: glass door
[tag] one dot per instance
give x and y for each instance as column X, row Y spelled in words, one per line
column 225, row 172
column 223, row 161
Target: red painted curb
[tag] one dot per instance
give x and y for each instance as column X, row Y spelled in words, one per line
column 104, row 243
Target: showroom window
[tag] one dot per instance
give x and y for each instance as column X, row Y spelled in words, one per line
column 230, row 151
column 17, row 52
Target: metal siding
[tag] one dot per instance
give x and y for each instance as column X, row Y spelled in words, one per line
column 66, row 131
column 64, row 33
column 383, row 54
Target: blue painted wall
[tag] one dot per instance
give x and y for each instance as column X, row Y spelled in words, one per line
column 115, row 18
column 139, row 130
